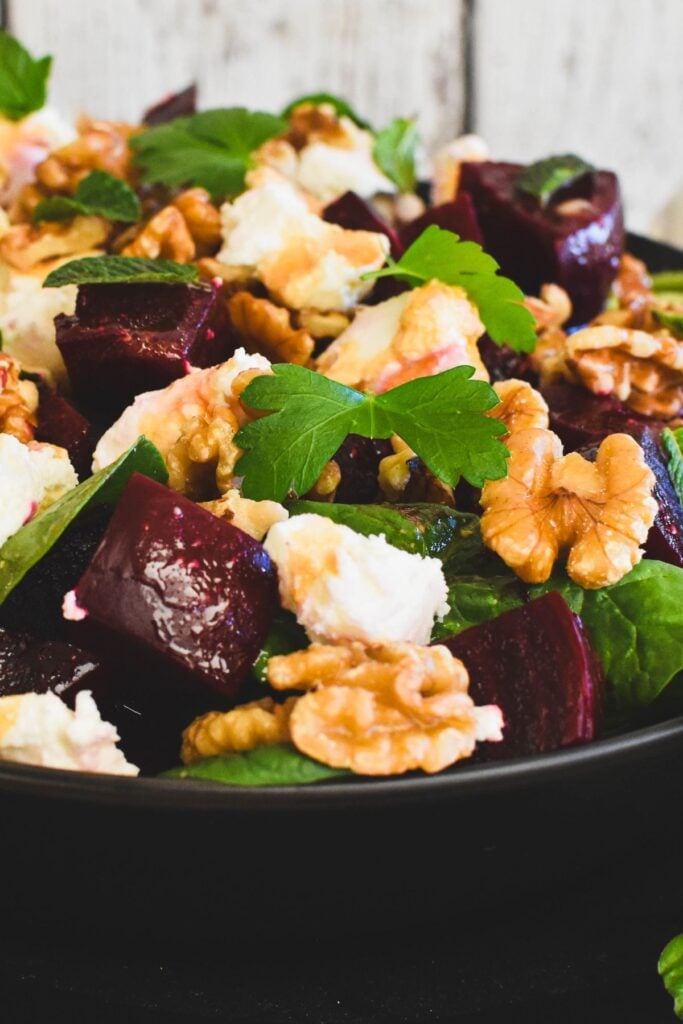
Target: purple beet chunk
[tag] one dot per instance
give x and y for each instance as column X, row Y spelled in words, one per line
column 459, row 216
column 29, row 664
column 358, row 459
column 535, row 662
column 177, row 104
column 581, row 419
column 187, row 590
column 503, row 362
column 59, row 423
column 579, row 248
column 354, row 214
column 127, row 338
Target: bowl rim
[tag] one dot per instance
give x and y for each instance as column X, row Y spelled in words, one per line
column 464, row 781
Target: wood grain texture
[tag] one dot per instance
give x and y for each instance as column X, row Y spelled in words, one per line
column 604, row 79
column 387, row 57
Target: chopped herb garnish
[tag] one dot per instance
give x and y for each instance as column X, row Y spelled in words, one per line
column 23, row 80
column 394, row 152
column 672, row 440
column 99, row 194
column 544, row 177
column 121, row 270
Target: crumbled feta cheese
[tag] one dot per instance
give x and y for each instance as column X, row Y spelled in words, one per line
column 252, row 517
column 415, row 334
column 303, row 261
column 27, row 313
column 163, row 415
column 328, row 171
column 39, row 729
column 31, row 478
column 466, row 148
column 343, row 586
column 24, row 144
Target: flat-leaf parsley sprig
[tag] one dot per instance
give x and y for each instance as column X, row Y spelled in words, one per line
column 443, row 419
column 441, row 254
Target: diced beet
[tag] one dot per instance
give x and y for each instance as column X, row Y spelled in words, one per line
column 174, row 584
column 503, row 362
column 354, row 214
column 577, row 246
column 535, row 662
column 459, row 216
column 127, row 338
column 358, row 459
column 59, row 423
column 178, row 104
column 28, row 664
column 580, row 418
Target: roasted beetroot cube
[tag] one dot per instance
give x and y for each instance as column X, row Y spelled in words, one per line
column 581, row 419
column 503, row 362
column 186, row 589
column 576, row 240
column 358, row 459
column 458, row 216
column 29, row 664
column 535, row 662
column 59, row 423
column 127, row 338
column 178, row 104
column 354, row 214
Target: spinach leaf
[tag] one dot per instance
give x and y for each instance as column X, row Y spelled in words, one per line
column 368, row 520
column 285, row 635
column 26, row 547
column 474, row 599
column 264, row 766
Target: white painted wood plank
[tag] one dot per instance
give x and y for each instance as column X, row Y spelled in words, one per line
column 603, row 78
column 388, row 57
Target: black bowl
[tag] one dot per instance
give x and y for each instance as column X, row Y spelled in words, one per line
column 193, row 861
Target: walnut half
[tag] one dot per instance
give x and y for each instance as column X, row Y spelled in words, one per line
column 599, row 513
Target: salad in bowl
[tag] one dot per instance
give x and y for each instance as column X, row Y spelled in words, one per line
column 311, row 468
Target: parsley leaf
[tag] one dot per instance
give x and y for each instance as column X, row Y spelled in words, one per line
column 212, row 149
column 670, row 968
column 394, row 152
column 442, row 255
column 441, row 417
column 543, row 178
column 100, row 194
column 23, row 80
column 341, row 107
column 276, row 765
column 672, row 442
column 121, row 270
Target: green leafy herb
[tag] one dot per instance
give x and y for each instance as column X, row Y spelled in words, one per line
column 670, row 968
column 264, row 766
column 284, row 636
column 672, row 441
column 121, row 270
column 23, row 80
column 474, row 599
column 341, row 107
column 394, row 152
column 671, row 319
column 442, row 418
column 668, row 281
column 544, row 177
column 212, row 149
column 635, row 626
column 369, row 520
column 26, row 547
column 442, row 255
column 100, row 194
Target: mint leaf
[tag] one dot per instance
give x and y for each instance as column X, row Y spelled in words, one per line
column 341, row 107
column 23, row 80
column 212, row 149
column 99, row 194
column 442, row 255
column 635, row 626
column 670, row 968
column 121, row 270
column 544, row 177
column 264, row 766
column 394, row 152
column 26, row 547
column 284, row 636
column 672, row 442
column 474, row 599
column 442, row 418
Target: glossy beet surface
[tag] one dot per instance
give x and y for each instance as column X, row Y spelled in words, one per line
column 358, row 459
column 459, row 216
column 577, row 245
column 537, row 665
column 182, row 586
column 354, row 214
column 28, row 664
column 59, row 423
column 178, row 104
column 127, row 338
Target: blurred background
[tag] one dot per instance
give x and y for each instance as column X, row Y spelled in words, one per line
column 603, row 78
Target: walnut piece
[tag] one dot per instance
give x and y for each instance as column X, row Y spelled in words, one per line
column 258, row 724
column 101, row 145
column 201, row 216
column 165, row 236
column 599, row 513
column 552, row 309
column 18, row 401
column 521, row 406
column 203, row 458
column 252, row 517
column 382, row 710
column 645, row 370
column 26, row 245
column 266, row 328
column 403, row 476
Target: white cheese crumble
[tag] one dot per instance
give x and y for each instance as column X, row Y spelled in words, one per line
column 163, row 415
column 39, row 729
column 27, row 314
column 24, row 144
column 328, row 171
column 343, row 586
column 31, row 478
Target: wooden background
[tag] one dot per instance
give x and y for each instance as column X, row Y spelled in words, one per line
column 600, row 77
